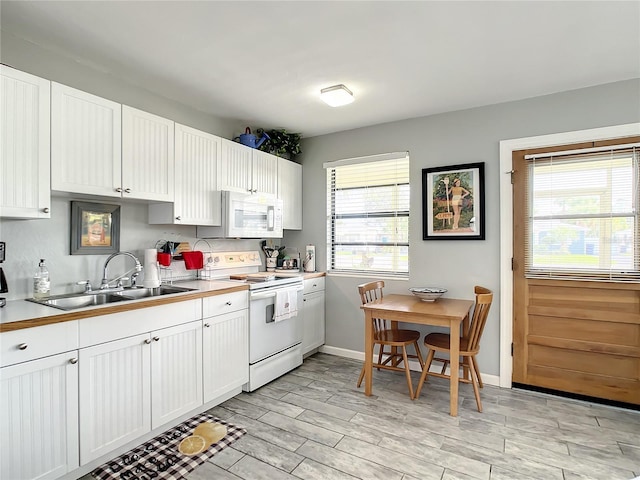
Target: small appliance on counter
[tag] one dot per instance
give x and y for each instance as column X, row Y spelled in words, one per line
column 4, row 288
column 309, row 263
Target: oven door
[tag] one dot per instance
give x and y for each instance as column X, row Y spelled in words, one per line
column 267, row 337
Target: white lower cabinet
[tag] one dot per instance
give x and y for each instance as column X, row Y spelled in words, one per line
column 121, row 376
column 115, row 397
column 313, row 314
column 225, row 353
column 39, row 418
column 176, row 372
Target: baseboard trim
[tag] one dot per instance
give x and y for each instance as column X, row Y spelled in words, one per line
column 413, row 364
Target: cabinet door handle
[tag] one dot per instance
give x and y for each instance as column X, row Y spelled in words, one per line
column 127, row 190
column 119, row 190
column 46, row 210
column 156, row 339
column 304, row 299
column 228, row 303
column 178, row 218
column 207, row 325
column 147, row 341
column 73, row 361
column 314, row 285
column 22, row 346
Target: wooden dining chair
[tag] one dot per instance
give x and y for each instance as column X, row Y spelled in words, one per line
column 383, row 336
column 469, row 346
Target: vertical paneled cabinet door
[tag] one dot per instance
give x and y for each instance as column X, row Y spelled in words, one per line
column 225, row 353
column 147, row 156
column 313, row 314
column 264, row 172
column 85, row 143
column 176, row 373
column 290, row 192
column 25, row 188
column 115, row 397
column 234, row 167
column 39, row 418
column 197, row 198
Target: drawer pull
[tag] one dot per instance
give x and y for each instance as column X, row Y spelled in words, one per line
column 228, row 303
column 156, row 339
column 73, row 361
column 207, row 325
column 22, row 346
column 147, row 341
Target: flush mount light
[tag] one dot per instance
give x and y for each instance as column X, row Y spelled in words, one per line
column 336, row 96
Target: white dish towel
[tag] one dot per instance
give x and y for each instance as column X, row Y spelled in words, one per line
column 286, row 304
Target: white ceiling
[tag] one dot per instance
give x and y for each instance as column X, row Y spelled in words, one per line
column 265, row 62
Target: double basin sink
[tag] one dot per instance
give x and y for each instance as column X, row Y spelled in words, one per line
column 80, row 300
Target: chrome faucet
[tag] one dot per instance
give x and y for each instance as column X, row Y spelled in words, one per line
column 135, row 271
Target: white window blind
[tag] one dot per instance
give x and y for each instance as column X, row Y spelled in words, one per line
column 368, row 215
column 583, row 215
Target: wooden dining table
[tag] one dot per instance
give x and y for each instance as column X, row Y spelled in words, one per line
column 445, row 312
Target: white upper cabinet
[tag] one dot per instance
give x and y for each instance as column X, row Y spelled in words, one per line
column 197, row 199
column 85, row 143
column 147, row 156
column 24, row 138
column 247, row 170
column 264, row 174
column 234, row 168
column 290, row 192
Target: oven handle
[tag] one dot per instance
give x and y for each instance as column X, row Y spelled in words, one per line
column 271, row 294
column 262, row 296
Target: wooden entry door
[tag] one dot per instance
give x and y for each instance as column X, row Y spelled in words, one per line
column 581, row 337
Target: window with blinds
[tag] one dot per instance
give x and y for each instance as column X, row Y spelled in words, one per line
column 583, row 214
column 368, row 215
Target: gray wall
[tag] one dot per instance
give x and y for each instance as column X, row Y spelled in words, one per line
column 452, row 138
column 58, row 67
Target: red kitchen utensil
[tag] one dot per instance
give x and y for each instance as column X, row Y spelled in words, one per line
column 164, row 259
column 193, row 260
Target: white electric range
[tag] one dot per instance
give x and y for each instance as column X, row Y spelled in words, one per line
column 274, row 340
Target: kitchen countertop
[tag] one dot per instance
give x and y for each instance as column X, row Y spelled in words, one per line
column 19, row 314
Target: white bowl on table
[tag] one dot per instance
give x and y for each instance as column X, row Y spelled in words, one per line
column 428, row 294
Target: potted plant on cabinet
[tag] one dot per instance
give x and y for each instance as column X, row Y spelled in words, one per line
column 281, row 143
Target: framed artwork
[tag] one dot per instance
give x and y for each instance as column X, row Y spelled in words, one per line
column 95, row 228
column 453, row 202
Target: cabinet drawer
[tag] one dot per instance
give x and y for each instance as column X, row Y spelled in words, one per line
column 313, row 285
column 30, row 343
column 106, row 328
column 219, row 304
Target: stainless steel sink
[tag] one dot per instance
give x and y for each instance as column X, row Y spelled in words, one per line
column 73, row 301
column 81, row 300
column 142, row 292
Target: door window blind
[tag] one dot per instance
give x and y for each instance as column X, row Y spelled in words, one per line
column 368, row 215
column 583, row 215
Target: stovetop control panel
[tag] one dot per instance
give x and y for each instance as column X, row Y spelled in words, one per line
column 236, row 259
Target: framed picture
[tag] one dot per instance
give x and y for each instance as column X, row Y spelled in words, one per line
column 453, row 202
column 95, row 228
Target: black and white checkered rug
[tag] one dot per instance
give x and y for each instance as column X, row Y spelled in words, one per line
column 172, row 454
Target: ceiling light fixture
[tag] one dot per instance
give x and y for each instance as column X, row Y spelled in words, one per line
column 336, row 96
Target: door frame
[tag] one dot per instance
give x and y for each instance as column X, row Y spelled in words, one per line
column 507, row 147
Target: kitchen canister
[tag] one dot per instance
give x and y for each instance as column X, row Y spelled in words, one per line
column 310, row 259
column 151, row 273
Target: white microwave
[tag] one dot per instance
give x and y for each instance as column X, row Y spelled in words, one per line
column 256, row 215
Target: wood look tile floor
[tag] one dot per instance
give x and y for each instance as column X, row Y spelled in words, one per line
column 313, row 423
